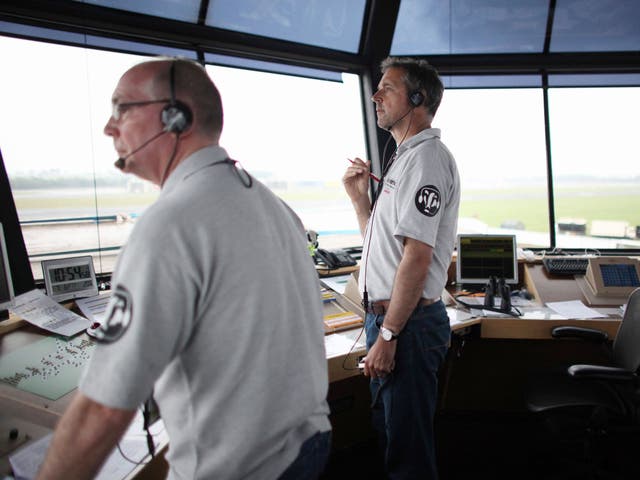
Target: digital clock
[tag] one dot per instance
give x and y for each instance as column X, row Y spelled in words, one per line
column 69, row 278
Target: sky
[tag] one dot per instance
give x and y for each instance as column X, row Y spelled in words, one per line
column 55, row 101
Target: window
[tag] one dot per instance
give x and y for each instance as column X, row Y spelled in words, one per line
column 596, row 166
column 434, row 27
column 292, row 133
column 70, row 199
column 497, row 139
column 333, row 24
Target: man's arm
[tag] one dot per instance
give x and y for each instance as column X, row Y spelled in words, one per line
column 356, row 184
column 84, row 437
column 407, row 291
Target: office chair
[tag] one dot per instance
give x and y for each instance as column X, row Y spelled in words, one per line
column 592, row 407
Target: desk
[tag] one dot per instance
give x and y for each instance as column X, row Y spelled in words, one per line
column 35, row 416
column 546, row 288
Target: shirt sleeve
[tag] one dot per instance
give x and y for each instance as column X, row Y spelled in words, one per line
column 147, row 322
column 421, row 199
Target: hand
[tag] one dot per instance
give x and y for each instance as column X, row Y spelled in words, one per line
column 356, row 179
column 380, row 359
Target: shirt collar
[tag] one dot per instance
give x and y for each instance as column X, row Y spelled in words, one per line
column 423, row 136
column 194, row 162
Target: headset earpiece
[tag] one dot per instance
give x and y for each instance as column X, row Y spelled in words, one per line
column 416, row 98
column 176, row 115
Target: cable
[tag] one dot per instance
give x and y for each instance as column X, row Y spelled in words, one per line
column 513, row 311
column 344, row 361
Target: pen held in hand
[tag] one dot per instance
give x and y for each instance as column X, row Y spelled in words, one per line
column 370, row 174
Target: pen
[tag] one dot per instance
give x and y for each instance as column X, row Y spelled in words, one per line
column 370, row 174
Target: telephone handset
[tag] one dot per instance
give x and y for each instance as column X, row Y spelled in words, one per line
column 335, row 258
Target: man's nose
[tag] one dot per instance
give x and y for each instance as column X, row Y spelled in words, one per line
column 109, row 128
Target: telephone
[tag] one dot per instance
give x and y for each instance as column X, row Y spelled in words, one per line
column 334, row 258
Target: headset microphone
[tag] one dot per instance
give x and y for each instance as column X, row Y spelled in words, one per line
column 121, row 162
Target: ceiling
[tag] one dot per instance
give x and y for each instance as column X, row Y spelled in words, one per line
column 475, row 42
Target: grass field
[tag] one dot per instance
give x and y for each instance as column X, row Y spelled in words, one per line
column 491, row 206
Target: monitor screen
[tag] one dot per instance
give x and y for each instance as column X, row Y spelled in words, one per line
column 6, row 285
column 481, row 257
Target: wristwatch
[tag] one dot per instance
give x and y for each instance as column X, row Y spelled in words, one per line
column 387, row 335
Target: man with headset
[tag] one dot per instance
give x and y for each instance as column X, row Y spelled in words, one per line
column 229, row 341
column 409, row 236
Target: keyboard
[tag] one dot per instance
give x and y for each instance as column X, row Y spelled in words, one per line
column 566, row 265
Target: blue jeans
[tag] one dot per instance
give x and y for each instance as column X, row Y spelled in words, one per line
column 311, row 460
column 404, row 402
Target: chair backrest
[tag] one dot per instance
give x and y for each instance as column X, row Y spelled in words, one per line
column 626, row 346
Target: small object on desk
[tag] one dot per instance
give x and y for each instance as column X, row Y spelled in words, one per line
column 94, row 308
column 44, row 312
column 566, row 265
column 335, row 259
column 91, row 331
column 574, row 309
column 341, row 321
column 327, row 295
column 69, row 278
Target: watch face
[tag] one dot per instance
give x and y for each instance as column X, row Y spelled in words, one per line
column 386, row 334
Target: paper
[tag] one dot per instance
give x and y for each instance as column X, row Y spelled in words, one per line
column 94, row 307
column 457, row 317
column 574, row 309
column 540, row 313
column 337, row 344
column 44, row 312
column 26, row 461
column 337, row 283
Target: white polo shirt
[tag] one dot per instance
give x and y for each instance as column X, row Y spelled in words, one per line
column 219, row 307
column 419, row 200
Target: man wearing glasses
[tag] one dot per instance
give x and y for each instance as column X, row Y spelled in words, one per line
column 229, row 341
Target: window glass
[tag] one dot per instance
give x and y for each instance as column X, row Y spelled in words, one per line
column 334, row 24
column 469, row 26
column 185, row 10
column 497, row 138
column 70, row 199
column 295, row 135
column 596, row 26
column 596, row 166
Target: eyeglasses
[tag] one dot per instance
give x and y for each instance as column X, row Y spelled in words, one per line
column 119, row 109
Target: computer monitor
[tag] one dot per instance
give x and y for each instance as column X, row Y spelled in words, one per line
column 482, row 256
column 19, row 265
column 6, row 284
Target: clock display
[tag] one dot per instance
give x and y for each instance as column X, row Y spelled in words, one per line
column 69, row 278
column 69, row 274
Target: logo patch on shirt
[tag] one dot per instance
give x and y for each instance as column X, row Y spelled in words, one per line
column 428, row 200
column 120, row 311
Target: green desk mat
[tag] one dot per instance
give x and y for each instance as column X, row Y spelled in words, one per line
column 50, row 367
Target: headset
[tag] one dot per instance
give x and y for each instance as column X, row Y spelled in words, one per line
column 416, row 98
column 176, row 118
column 176, row 115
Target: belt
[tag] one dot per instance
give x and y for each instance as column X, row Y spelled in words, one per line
column 381, row 306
